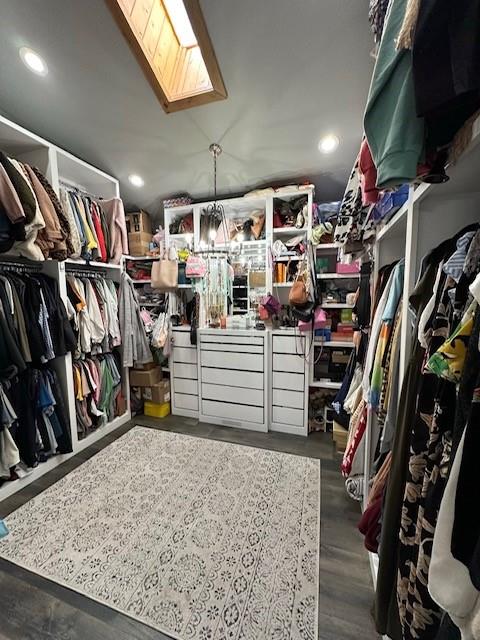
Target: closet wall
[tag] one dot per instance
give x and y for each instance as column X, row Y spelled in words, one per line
column 59, row 167
column 432, row 214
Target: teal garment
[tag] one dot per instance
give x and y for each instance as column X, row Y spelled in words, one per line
column 396, row 291
column 394, row 133
column 3, row 529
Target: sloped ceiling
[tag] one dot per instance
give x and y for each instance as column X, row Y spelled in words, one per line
column 294, row 70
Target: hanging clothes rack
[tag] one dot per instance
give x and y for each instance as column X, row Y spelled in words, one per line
column 72, row 186
column 86, row 272
column 19, row 267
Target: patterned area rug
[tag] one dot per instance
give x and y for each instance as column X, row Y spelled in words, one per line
column 197, row 538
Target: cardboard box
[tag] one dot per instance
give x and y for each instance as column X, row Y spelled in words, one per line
column 146, row 366
column 145, row 378
column 340, row 437
column 158, row 393
column 139, row 243
column 138, row 222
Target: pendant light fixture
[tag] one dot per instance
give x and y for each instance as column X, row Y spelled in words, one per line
column 213, row 216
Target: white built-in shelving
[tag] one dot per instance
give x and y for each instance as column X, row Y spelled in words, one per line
column 141, row 258
column 61, row 167
column 288, row 231
column 337, row 276
column 335, row 344
column 337, row 305
column 325, row 384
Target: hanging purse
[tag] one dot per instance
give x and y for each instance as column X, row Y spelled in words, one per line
column 165, row 274
column 160, row 331
column 196, row 267
column 298, row 295
column 146, row 319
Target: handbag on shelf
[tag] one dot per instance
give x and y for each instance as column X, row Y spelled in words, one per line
column 319, row 320
column 262, row 312
column 271, row 305
column 196, row 267
column 186, row 224
column 165, row 274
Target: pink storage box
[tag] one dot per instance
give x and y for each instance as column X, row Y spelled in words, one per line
column 354, row 267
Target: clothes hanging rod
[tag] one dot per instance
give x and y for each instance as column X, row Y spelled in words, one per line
column 11, row 265
column 69, row 184
column 85, row 272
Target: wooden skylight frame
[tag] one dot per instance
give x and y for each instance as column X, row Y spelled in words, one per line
column 181, row 77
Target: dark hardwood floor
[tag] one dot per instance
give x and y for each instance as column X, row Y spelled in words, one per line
column 33, row 608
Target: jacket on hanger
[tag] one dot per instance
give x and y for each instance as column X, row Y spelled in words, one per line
column 394, row 133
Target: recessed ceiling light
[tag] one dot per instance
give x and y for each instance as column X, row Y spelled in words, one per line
column 33, row 61
column 328, row 144
column 180, row 22
column 137, row 181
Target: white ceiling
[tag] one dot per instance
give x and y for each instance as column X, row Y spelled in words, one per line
column 294, row 70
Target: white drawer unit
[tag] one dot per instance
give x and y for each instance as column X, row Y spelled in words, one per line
column 292, row 417
column 288, row 344
column 184, row 385
column 233, row 384
column 184, row 370
column 184, row 375
column 233, row 378
column 233, row 415
column 289, row 383
column 288, row 363
column 182, row 339
column 252, row 397
column 225, row 338
column 231, row 360
column 182, row 354
column 185, row 401
column 285, row 398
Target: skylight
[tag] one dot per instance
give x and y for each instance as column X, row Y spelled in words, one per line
column 180, row 22
column 171, row 42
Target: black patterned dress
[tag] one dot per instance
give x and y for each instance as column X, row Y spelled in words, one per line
column 426, row 479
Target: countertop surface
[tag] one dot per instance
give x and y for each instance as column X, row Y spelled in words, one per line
column 242, row 332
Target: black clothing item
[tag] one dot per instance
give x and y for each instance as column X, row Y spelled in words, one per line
column 10, row 354
column 341, row 416
column 24, row 393
column 23, row 396
column 64, row 440
column 466, row 528
column 63, row 336
column 363, row 305
column 448, row 630
column 446, row 66
column 21, row 186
